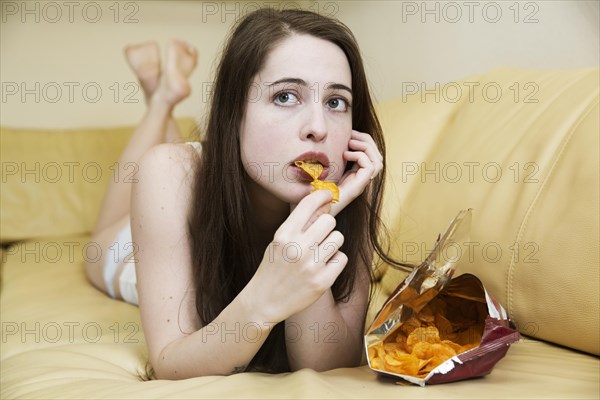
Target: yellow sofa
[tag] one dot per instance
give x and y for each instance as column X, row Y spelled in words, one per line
column 520, row 147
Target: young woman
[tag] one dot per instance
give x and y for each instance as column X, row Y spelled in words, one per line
column 239, row 266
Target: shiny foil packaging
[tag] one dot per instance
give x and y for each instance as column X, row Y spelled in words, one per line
column 460, row 309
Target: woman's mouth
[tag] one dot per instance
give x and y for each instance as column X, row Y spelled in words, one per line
column 311, row 158
column 302, row 175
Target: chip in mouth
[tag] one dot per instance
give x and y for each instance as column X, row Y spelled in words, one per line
column 314, row 169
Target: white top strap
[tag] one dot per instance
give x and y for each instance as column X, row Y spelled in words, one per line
column 197, row 146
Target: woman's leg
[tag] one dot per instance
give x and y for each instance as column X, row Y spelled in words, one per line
column 144, row 60
column 163, row 91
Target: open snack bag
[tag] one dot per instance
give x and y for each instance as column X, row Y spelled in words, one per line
column 435, row 329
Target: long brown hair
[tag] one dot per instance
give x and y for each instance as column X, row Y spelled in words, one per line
column 224, row 259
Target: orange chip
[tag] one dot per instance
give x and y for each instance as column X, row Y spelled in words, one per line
column 410, row 325
column 437, row 360
column 401, row 338
column 469, row 335
column 314, row 169
column 406, row 364
column 332, row 187
column 372, row 353
column 426, row 315
column 444, row 326
column 455, row 346
column 427, row 334
column 425, row 367
column 377, row 363
column 376, row 350
column 422, row 350
column 443, row 351
column 426, row 350
column 396, row 348
column 426, row 340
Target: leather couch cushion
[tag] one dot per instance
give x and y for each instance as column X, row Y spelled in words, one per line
column 527, row 163
column 53, row 181
column 61, row 338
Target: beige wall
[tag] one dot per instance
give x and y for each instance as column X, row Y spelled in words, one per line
column 61, row 62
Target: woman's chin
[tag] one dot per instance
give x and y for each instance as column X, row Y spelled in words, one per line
column 296, row 194
column 290, row 193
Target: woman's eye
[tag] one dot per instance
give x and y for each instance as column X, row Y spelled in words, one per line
column 285, row 98
column 337, row 104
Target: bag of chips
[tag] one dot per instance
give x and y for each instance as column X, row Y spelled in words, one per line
column 435, row 329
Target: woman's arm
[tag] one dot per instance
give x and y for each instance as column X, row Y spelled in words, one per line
column 327, row 335
column 178, row 346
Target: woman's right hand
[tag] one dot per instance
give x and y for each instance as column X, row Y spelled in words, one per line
column 301, row 262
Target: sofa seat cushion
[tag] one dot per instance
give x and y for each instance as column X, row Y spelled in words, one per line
column 532, row 369
column 61, row 338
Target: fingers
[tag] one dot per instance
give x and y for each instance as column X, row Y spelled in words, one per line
column 331, row 245
column 308, row 207
column 337, row 262
column 363, row 142
column 321, row 228
column 365, row 166
column 335, row 266
column 368, row 163
column 323, row 210
column 328, row 256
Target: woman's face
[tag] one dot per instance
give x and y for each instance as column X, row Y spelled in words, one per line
column 298, row 109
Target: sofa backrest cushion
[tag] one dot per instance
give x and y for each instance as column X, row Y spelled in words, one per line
column 521, row 148
column 53, row 181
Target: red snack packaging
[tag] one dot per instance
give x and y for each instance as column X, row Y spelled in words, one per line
column 436, row 329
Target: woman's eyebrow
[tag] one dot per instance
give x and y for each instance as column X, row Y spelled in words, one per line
column 302, row 82
column 296, row 81
column 339, row 86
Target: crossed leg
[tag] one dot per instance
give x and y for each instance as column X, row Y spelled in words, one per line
column 163, row 89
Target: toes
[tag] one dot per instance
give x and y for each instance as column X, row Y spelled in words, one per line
column 183, row 55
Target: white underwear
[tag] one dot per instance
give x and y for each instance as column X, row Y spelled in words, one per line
column 123, row 248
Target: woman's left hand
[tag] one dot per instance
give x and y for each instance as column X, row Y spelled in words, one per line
column 368, row 163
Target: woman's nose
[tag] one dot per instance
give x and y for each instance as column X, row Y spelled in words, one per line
column 315, row 128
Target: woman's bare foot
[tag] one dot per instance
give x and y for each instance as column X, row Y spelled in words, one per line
column 181, row 61
column 144, row 60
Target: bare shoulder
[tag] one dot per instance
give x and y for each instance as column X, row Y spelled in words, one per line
column 170, row 158
column 162, row 194
column 167, row 172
